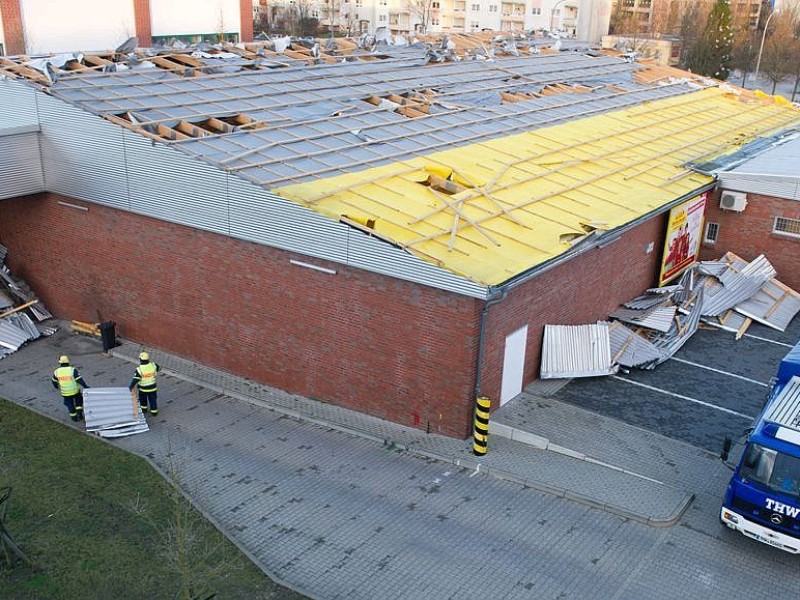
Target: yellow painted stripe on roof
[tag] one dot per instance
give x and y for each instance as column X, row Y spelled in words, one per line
column 500, row 207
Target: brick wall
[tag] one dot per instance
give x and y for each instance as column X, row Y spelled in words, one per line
column 580, row 291
column 144, row 29
column 749, row 234
column 389, row 348
column 246, row 18
column 13, row 29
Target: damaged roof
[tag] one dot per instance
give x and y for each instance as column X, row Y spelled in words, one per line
column 486, row 168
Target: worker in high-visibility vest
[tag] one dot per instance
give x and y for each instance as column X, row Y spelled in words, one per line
column 68, row 382
column 145, row 379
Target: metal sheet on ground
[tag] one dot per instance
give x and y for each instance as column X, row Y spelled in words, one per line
column 713, row 389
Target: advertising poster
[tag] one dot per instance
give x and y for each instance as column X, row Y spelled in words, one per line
column 683, row 237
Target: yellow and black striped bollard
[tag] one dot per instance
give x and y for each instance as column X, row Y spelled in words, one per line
column 480, row 435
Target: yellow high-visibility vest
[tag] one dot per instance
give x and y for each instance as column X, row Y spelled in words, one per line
column 66, row 380
column 147, row 374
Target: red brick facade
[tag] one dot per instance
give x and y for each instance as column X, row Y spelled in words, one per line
column 393, row 349
column 749, row 234
column 144, row 28
column 13, row 28
column 580, row 291
column 378, row 345
column 246, row 20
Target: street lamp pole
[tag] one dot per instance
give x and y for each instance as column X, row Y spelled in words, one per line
column 553, row 13
column 763, row 37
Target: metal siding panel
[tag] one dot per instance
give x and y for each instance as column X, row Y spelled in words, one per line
column 371, row 254
column 166, row 184
column 21, row 165
column 22, row 98
column 765, row 186
column 258, row 216
column 82, row 154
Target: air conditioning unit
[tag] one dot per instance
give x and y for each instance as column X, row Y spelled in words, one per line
column 736, row 201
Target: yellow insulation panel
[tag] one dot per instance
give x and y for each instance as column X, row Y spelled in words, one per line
column 492, row 210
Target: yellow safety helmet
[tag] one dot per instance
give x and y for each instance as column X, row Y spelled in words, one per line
column 63, row 359
column 144, row 356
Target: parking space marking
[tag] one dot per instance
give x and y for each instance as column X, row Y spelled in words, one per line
column 763, row 339
column 694, row 364
column 695, row 400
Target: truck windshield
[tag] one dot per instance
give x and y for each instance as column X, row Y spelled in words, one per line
column 777, row 471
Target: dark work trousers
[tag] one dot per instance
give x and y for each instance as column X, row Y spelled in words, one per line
column 74, row 406
column 148, row 398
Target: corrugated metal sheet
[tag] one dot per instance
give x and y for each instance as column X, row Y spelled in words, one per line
column 779, row 187
column 83, row 156
column 774, row 304
column 630, row 349
column 20, row 165
column 20, row 99
column 372, row 254
column 259, row 216
column 735, row 285
column 576, row 351
column 658, row 318
column 785, row 409
column 11, row 336
column 170, row 185
column 772, row 172
column 111, row 412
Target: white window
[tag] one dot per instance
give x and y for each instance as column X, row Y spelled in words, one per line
column 476, row 7
column 712, row 233
column 434, row 21
column 536, row 11
column 381, row 17
column 493, row 8
column 474, row 24
column 786, row 226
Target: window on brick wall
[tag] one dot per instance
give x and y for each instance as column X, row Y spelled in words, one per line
column 786, row 226
column 712, row 233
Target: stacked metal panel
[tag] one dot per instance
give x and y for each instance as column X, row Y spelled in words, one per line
column 112, row 412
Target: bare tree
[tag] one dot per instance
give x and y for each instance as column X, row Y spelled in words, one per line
column 780, row 54
column 421, row 9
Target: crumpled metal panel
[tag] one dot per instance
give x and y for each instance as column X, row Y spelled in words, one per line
column 11, row 336
column 576, row 351
column 774, row 304
column 735, row 285
column 630, row 349
column 659, row 318
column 112, row 412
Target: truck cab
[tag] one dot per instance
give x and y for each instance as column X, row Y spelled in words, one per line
column 763, row 497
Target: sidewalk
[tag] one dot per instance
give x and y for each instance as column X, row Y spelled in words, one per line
column 223, row 426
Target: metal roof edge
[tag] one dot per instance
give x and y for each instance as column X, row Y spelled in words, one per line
column 598, row 242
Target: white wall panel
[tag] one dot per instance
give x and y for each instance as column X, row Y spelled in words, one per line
column 87, row 25
column 183, row 17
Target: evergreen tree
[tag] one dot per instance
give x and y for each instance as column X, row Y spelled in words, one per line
column 711, row 54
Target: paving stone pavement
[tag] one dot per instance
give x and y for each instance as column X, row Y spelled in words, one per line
column 336, row 504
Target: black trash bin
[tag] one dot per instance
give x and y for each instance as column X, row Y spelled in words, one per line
column 108, row 333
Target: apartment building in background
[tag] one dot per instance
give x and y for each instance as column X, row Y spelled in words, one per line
column 45, row 26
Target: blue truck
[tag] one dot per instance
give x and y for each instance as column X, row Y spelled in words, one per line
column 763, row 497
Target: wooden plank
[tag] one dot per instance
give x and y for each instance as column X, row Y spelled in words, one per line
column 18, row 308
